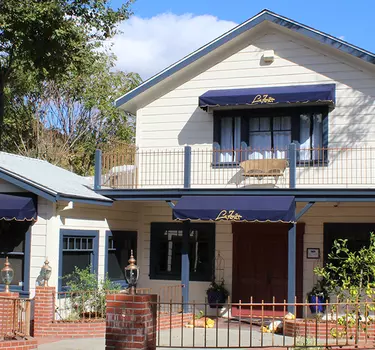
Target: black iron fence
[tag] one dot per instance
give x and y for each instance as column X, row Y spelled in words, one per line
column 260, row 325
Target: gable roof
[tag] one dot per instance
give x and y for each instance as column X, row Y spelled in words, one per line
column 47, row 180
column 261, row 17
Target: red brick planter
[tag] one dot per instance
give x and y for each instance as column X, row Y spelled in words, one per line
column 324, row 330
column 166, row 321
column 28, row 344
column 67, row 330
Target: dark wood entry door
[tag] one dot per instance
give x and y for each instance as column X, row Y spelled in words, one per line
column 260, row 262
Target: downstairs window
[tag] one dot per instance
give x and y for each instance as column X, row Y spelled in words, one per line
column 166, row 251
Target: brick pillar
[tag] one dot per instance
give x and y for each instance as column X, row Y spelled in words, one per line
column 131, row 322
column 8, row 314
column 44, row 309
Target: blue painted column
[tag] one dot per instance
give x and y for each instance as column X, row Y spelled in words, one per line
column 185, row 265
column 98, row 170
column 187, row 167
column 292, row 234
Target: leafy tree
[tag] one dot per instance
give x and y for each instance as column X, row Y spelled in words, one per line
column 64, row 121
column 51, row 37
column 350, row 274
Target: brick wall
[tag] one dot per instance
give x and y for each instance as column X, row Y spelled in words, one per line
column 46, row 326
column 167, row 321
column 28, row 344
column 329, row 331
column 131, row 322
column 7, row 321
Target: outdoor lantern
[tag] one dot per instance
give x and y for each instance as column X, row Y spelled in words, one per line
column 46, row 272
column 7, row 274
column 132, row 273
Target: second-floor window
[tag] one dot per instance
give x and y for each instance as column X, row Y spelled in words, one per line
column 264, row 134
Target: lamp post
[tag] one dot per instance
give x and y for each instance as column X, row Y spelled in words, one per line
column 45, row 272
column 7, row 274
column 132, row 273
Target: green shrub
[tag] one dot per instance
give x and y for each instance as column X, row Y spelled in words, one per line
column 87, row 294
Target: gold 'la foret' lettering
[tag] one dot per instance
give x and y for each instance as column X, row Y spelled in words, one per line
column 229, row 215
column 263, row 99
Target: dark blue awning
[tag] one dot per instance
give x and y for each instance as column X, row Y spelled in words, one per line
column 324, row 93
column 17, row 208
column 236, row 208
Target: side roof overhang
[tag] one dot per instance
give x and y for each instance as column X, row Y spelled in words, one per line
column 47, row 193
column 127, row 101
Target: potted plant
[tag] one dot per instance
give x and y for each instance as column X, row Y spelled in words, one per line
column 217, row 294
column 317, row 297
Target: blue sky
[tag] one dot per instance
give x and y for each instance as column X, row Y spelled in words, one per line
column 348, row 19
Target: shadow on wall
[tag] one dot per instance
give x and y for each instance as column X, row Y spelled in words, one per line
column 198, row 130
column 350, row 123
column 352, row 130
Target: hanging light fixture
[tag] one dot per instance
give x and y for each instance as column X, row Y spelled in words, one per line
column 7, row 274
column 132, row 273
column 45, row 272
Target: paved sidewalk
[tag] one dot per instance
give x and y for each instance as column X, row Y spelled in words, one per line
column 74, row 344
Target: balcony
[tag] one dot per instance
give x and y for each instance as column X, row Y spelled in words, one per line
column 211, row 168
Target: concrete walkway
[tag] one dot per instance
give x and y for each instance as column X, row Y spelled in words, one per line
column 233, row 336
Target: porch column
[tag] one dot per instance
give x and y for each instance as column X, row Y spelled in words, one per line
column 292, row 234
column 185, row 265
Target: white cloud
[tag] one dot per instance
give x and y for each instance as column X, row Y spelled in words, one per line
column 148, row 45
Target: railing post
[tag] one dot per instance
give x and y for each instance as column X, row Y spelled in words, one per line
column 187, row 167
column 292, row 165
column 98, row 170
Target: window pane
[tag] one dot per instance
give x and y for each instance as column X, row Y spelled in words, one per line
column 265, row 124
column 167, row 251
column 121, row 243
column 317, row 137
column 254, row 124
column 72, row 259
column 305, row 139
column 311, row 136
column 12, row 244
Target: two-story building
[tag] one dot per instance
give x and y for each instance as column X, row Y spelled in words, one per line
column 252, row 155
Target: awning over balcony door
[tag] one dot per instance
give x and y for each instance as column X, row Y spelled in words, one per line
column 268, row 96
column 236, row 208
column 17, row 208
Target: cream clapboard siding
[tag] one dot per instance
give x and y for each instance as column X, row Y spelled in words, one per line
column 7, row 187
column 175, row 119
column 43, row 238
column 121, row 216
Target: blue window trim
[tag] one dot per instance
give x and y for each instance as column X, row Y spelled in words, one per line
column 79, row 233
column 156, row 228
column 108, row 234
column 24, row 291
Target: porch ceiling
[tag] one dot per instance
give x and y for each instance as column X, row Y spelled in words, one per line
column 301, row 195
